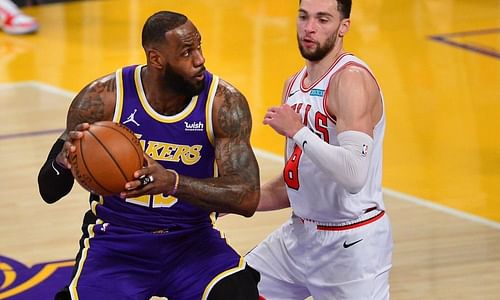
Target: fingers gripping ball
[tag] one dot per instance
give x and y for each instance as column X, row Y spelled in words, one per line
column 106, row 158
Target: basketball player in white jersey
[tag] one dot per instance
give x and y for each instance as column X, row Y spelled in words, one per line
column 338, row 242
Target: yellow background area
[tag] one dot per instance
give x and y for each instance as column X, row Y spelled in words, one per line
column 442, row 102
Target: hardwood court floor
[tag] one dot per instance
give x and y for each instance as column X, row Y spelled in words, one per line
column 438, row 65
column 437, row 255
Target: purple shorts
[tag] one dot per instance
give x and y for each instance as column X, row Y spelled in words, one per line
column 124, row 263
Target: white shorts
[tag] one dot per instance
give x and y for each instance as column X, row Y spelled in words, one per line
column 327, row 261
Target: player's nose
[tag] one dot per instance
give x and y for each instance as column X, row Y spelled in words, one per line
column 198, row 58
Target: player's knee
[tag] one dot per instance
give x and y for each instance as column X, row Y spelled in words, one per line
column 241, row 285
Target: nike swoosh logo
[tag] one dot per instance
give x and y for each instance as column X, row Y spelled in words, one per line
column 304, row 145
column 292, row 93
column 53, row 167
column 347, row 245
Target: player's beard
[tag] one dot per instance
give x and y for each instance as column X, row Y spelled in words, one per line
column 178, row 83
column 321, row 51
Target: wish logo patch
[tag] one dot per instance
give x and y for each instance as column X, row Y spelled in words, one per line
column 194, row 126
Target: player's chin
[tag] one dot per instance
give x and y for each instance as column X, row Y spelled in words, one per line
column 197, row 85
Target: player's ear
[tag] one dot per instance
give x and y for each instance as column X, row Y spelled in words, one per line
column 155, row 58
column 345, row 24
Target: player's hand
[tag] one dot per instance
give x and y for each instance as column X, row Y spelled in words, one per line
column 284, row 120
column 69, row 146
column 151, row 180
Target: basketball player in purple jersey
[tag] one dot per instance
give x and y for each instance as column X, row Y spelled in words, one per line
column 157, row 237
column 337, row 243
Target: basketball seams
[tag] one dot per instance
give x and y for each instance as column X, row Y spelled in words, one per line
column 106, row 162
column 127, row 130
column 117, row 165
column 86, row 165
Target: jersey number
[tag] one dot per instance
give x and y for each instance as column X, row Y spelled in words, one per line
column 155, row 200
column 291, row 170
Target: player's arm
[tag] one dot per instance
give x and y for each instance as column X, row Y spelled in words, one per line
column 273, row 194
column 236, row 190
column 93, row 103
column 355, row 100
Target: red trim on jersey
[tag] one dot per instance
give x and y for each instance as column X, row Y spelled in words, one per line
column 353, row 63
column 305, row 90
column 350, row 226
column 289, row 88
column 261, row 297
column 333, row 118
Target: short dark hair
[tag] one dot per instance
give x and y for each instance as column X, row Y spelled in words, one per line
column 156, row 25
column 343, row 7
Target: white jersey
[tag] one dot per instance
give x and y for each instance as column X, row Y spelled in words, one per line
column 313, row 194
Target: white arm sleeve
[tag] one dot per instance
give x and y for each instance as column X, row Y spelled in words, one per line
column 347, row 163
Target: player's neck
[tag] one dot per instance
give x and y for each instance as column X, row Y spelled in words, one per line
column 316, row 69
column 162, row 99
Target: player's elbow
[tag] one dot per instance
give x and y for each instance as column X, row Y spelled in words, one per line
column 48, row 198
column 353, row 188
column 52, row 188
column 50, row 194
column 354, row 175
column 355, row 183
column 250, row 204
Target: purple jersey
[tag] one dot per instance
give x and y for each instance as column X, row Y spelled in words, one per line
column 157, row 244
column 183, row 142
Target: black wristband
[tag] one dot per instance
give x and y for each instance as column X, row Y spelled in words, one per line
column 54, row 181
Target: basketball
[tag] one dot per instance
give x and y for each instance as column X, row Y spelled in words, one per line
column 106, row 158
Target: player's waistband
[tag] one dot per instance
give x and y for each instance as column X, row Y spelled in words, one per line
column 371, row 215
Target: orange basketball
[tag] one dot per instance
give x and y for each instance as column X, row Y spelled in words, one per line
column 106, row 158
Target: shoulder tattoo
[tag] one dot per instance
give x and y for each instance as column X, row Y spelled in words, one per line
column 89, row 105
column 234, row 114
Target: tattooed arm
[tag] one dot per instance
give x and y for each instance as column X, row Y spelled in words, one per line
column 94, row 103
column 236, row 190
